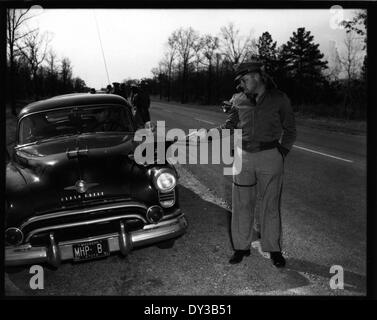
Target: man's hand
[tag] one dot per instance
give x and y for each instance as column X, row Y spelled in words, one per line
column 150, row 126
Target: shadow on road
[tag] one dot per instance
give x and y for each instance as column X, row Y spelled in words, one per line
column 352, row 281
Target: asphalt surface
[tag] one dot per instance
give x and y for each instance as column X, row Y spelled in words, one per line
column 324, row 224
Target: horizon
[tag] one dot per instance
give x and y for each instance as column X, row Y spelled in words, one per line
column 132, row 48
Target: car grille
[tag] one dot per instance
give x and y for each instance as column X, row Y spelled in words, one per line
column 87, row 221
column 166, row 196
column 85, row 231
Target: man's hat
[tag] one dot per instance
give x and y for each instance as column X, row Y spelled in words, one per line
column 248, row 67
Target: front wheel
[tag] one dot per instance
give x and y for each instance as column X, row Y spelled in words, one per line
column 167, row 244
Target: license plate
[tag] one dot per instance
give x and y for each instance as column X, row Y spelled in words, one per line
column 90, row 250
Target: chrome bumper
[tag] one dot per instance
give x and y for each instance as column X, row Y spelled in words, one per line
column 122, row 241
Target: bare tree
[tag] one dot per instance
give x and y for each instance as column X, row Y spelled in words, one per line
column 350, row 59
column 169, row 58
column 358, row 26
column 79, row 85
column 236, row 48
column 210, row 46
column 351, row 62
column 66, row 73
column 158, row 73
column 51, row 62
column 34, row 48
column 52, row 72
column 16, row 19
column 184, row 40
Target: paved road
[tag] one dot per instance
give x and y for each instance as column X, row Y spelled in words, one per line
column 324, row 199
column 324, row 223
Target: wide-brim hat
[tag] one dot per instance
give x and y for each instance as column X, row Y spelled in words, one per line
column 247, row 67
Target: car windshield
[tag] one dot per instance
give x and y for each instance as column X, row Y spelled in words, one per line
column 72, row 121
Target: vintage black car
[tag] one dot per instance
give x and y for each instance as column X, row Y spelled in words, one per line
column 74, row 190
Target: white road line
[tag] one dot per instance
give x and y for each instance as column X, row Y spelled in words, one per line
column 204, row 121
column 323, row 154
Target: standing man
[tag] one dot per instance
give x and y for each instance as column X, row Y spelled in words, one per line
column 141, row 101
column 268, row 133
column 109, row 88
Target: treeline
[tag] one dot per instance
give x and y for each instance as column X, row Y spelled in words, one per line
column 34, row 71
column 200, row 69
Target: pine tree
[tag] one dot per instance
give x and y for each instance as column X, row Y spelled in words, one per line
column 267, row 52
column 302, row 63
column 302, row 57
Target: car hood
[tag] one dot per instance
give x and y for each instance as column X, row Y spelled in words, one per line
column 53, row 169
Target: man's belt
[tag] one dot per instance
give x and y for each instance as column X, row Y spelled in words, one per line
column 260, row 146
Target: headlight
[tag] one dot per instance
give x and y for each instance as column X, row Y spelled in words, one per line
column 165, row 181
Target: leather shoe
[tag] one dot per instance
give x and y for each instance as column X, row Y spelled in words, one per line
column 277, row 259
column 238, row 256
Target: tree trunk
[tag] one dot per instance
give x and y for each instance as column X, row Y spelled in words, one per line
column 209, row 93
column 160, row 87
column 169, row 85
column 35, row 82
column 11, row 83
column 183, row 98
column 346, row 100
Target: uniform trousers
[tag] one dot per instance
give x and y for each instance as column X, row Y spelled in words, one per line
column 262, row 171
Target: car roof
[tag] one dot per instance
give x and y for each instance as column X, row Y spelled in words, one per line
column 73, row 99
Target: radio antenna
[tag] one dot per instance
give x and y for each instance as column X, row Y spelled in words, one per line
column 100, row 42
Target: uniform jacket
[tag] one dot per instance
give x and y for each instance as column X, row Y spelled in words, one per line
column 268, row 119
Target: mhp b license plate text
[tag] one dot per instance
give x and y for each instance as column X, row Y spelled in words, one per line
column 90, row 250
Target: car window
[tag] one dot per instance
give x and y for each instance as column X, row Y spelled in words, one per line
column 75, row 120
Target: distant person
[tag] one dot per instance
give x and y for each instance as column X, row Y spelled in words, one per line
column 116, row 88
column 141, row 102
column 92, row 90
column 109, row 88
column 123, row 90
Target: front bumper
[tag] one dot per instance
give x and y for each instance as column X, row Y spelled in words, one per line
column 118, row 242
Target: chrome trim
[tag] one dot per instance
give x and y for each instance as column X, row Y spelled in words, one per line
column 65, row 213
column 160, row 193
column 81, row 186
column 168, row 216
column 53, row 252
column 100, row 237
column 26, row 254
column 125, row 242
column 82, row 223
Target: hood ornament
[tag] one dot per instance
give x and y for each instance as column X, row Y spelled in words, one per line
column 81, row 186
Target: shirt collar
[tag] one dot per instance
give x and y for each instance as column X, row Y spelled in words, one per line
column 261, row 97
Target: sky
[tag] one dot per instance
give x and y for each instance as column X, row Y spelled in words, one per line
column 134, row 40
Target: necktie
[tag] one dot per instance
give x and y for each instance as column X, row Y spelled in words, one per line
column 253, row 99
